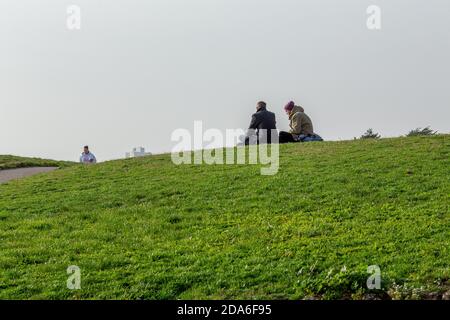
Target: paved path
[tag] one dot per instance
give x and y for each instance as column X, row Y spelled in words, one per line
column 12, row 174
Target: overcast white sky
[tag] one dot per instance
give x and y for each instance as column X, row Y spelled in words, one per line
column 138, row 70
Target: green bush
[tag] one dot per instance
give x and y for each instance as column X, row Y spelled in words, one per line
column 370, row 134
column 421, row 132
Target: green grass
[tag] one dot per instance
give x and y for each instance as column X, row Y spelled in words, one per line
column 147, row 229
column 14, row 162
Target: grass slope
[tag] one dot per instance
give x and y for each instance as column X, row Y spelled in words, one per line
column 147, row 229
column 14, row 162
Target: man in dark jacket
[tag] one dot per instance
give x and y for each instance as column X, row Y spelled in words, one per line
column 262, row 123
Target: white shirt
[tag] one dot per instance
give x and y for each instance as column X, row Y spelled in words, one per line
column 88, row 158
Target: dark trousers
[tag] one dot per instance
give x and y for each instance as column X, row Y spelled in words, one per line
column 286, row 137
column 267, row 138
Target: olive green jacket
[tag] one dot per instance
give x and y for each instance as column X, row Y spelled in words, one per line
column 300, row 122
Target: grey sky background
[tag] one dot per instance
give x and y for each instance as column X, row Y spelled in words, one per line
column 138, row 70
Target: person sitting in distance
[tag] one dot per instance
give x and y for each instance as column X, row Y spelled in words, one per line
column 261, row 125
column 302, row 129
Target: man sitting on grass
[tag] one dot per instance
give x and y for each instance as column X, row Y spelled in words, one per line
column 87, row 157
column 261, row 125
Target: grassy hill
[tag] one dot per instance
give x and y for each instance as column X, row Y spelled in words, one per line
column 147, row 229
column 14, row 162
